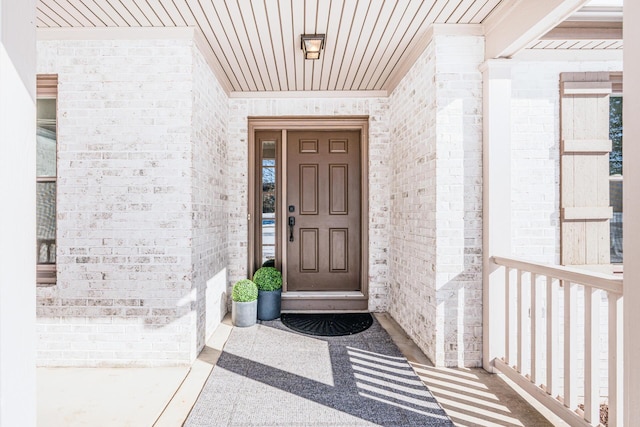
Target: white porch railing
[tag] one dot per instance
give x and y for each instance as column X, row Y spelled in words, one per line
column 544, row 358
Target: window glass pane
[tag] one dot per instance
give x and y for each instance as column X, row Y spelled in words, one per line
column 268, row 190
column 46, row 137
column 615, row 180
column 615, row 134
column 268, row 172
column 46, row 222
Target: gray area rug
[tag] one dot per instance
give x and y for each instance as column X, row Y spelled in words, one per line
column 269, row 375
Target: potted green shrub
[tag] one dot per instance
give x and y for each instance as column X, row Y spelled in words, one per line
column 269, row 283
column 244, row 303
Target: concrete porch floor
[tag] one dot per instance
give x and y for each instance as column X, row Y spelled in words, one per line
column 163, row 397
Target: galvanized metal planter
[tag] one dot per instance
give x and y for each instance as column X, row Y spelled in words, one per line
column 269, row 304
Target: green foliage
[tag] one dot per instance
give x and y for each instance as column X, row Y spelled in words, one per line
column 244, row 291
column 615, row 134
column 268, row 279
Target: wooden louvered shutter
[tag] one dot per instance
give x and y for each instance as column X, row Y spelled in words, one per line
column 584, row 176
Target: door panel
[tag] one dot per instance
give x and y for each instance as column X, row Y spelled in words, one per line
column 309, row 250
column 308, row 189
column 339, row 189
column 323, row 186
column 338, row 250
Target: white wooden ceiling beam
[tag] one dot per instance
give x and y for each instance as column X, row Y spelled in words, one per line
column 578, row 30
column 514, row 24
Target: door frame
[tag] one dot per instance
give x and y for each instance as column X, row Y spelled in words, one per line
column 305, row 300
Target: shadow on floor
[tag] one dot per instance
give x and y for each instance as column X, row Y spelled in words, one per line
column 270, row 376
column 474, row 397
column 471, row 397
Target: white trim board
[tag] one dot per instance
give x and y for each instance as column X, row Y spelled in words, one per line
column 115, row 33
column 514, row 24
column 571, row 55
column 364, row 94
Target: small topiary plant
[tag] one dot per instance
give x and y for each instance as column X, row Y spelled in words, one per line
column 268, row 279
column 244, row 291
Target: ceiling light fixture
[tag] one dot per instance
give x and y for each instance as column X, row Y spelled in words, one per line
column 311, row 45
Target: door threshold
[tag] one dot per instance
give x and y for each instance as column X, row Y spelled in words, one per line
column 324, row 311
column 316, row 301
column 323, row 295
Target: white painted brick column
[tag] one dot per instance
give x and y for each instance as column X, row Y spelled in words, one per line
column 435, row 243
column 458, row 209
column 496, row 212
column 631, row 212
column 17, row 213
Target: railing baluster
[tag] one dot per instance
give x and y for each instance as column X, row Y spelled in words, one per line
column 591, row 355
column 615, row 359
column 507, row 316
column 523, row 358
column 552, row 338
column 570, row 345
column 520, row 321
column 534, row 326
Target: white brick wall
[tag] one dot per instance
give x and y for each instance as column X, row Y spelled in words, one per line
column 436, row 238
column 153, row 196
column 535, row 175
column 379, row 149
column 535, row 171
column 175, row 148
column 132, row 237
column 209, row 198
column 412, row 246
column 459, row 195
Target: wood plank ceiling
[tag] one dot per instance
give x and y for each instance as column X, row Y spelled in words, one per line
column 577, row 44
column 596, row 26
column 257, row 43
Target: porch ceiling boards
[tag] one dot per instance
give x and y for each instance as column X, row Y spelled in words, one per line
column 597, row 26
column 257, row 43
column 254, row 45
column 577, row 44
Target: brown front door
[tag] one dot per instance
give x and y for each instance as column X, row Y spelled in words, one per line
column 323, row 211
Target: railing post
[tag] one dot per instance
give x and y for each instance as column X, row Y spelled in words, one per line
column 570, row 346
column 552, row 337
column 523, row 324
column 631, row 203
column 591, row 355
column 496, row 201
column 615, row 361
column 507, row 316
column 535, row 328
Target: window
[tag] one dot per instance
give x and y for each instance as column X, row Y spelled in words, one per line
column 268, row 202
column 46, row 178
column 615, row 176
column 266, row 248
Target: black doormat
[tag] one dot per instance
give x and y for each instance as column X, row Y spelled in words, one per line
column 327, row 325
